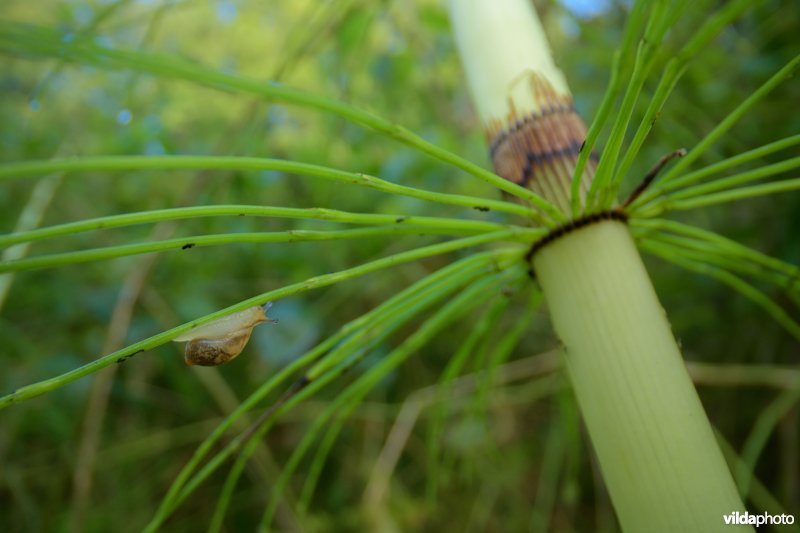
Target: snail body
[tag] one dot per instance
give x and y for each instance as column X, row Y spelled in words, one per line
column 221, row 340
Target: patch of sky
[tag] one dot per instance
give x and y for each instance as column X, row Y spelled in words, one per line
column 375, row 356
column 104, row 41
column 154, row 147
column 152, row 124
column 396, row 43
column 431, row 134
column 587, row 9
column 228, row 64
column 226, row 11
column 297, row 330
column 381, row 67
column 396, row 167
column 353, row 133
column 83, row 14
column 276, row 115
column 569, row 26
column 99, row 99
column 124, row 117
column 269, row 177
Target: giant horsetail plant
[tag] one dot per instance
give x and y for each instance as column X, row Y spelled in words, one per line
column 567, row 232
column 654, row 443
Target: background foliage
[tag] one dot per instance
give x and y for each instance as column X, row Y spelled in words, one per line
column 515, row 456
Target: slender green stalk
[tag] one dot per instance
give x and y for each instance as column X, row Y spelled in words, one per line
column 758, row 494
column 502, row 350
column 200, row 241
column 721, row 184
column 672, row 73
column 318, row 462
column 704, row 252
column 465, row 301
column 729, row 255
column 358, row 345
column 351, row 351
column 745, row 375
column 737, row 179
column 622, row 56
column 36, row 389
column 552, row 463
column 746, row 157
column 24, row 169
column 225, row 495
column 316, row 213
column 174, row 498
column 738, row 251
column 655, row 446
column 169, row 500
column 721, row 128
column 472, row 343
column 27, row 39
column 687, row 260
column 30, row 217
column 603, row 112
column 601, row 192
column 742, row 193
column 759, row 435
column 356, row 332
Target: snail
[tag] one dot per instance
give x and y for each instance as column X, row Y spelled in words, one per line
column 221, row 340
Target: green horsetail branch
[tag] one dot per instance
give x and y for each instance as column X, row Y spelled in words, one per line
column 720, row 129
column 42, row 387
column 384, row 319
column 201, row 241
column 313, row 213
column 9, row 171
column 37, row 41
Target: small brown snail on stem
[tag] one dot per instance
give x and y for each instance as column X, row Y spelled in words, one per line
column 223, row 339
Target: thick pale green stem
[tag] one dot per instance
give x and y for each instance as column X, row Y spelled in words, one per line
column 522, row 98
column 653, row 440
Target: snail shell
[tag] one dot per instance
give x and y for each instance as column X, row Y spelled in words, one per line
column 223, row 339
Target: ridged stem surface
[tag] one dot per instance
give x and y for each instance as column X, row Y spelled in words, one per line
column 660, row 461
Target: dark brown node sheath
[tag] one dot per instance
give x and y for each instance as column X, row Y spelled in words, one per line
column 539, row 149
column 587, row 220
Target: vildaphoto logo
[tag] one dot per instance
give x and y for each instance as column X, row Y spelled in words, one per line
column 745, row 518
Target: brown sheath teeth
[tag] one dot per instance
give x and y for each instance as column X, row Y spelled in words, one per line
column 540, row 150
column 524, row 122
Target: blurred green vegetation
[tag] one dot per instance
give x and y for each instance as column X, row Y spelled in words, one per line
column 517, row 457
